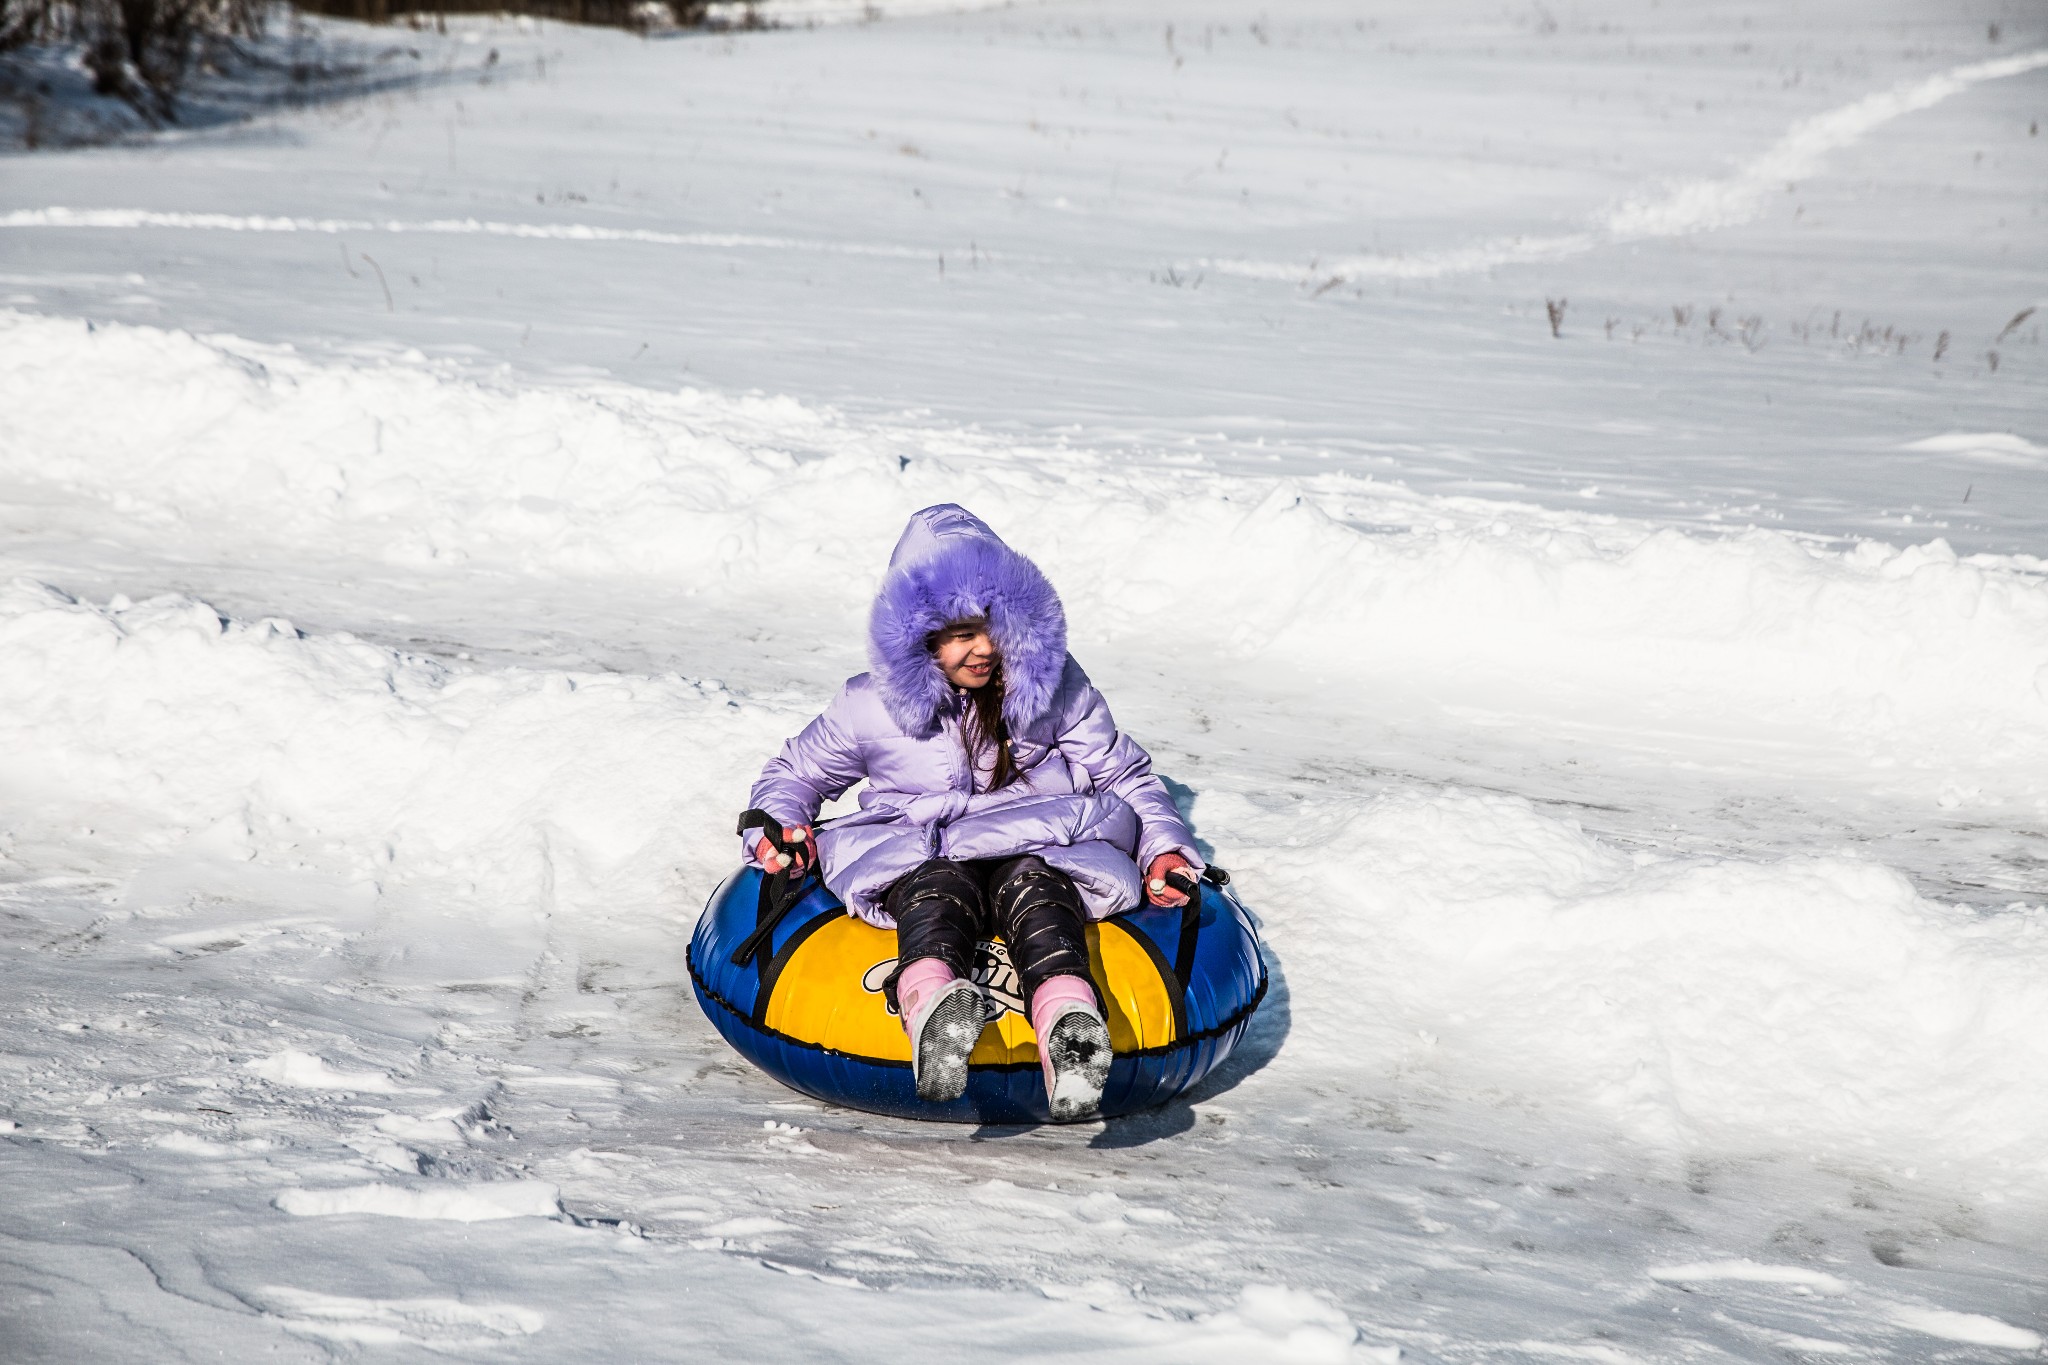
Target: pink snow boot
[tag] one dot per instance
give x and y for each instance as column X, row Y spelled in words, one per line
column 943, row 1016
column 1073, row 1046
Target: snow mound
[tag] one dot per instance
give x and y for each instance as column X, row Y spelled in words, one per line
column 455, row 1203
column 1869, row 657
column 1817, row 1003
column 1974, row 1328
column 1274, row 1322
column 1749, row 1272
column 439, row 1324
column 304, row 1070
column 1813, row 1003
column 166, row 728
column 1991, row 447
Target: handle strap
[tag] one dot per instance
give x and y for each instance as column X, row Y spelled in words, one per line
column 1191, row 918
column 781, row 890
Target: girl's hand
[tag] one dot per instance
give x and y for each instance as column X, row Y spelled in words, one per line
column 1160, row 891
column 803, row 855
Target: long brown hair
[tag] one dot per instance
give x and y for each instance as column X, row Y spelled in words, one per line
column 985, row 723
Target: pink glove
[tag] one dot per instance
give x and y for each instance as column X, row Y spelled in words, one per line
column 1160, row 891
column 804, row 855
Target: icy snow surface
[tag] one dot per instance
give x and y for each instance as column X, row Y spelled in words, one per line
column 420, row 515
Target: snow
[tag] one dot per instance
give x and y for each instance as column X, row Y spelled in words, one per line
column 1994, row 447
column 1690, row 206
column 1816, row 1281
column 457, row 1204
column 435, row 1323
column 1973, row 1328
column 1802, row 153
column 420, row 514
column 292, row 1067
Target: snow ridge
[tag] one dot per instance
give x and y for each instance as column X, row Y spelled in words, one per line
column 1689, row 999
column 1908, row 659
column 1743, row 1002
column 131, row 219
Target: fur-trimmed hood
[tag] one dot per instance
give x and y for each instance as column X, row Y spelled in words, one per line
column 949, row 566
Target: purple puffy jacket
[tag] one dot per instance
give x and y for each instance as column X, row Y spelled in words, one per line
column 1086, row 801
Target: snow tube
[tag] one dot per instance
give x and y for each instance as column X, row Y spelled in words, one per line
column 805, row 1003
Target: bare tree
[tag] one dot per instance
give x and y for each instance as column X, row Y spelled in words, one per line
column 139, row 51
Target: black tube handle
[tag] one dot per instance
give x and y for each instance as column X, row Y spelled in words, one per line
column 770, row 827
column 781, row 889
column 1184, row 879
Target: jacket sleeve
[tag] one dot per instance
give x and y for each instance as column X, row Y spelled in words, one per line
column 814, row 767
column 1115, row 763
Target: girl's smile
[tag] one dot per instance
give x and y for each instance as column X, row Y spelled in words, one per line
column 965, row 654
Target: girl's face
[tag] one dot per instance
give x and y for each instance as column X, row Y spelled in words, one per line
column 965, row 653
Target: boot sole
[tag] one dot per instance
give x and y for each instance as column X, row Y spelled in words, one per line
column 1080, row 1055
column 943, row 1045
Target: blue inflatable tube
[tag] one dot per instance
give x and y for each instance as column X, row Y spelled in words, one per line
column 809, row 1010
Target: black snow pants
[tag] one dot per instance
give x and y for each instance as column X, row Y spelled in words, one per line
column 943, row 908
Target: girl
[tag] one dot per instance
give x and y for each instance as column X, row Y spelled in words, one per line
column 1001, row 801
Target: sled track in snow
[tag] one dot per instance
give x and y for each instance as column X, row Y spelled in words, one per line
column 1691, row 206
column 134, row 219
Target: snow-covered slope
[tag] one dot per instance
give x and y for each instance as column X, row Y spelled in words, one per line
column 1694, row 998
column 1859, row 658
column 1643, row 805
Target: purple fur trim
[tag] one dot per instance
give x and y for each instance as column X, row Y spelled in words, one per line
column 966, row 574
